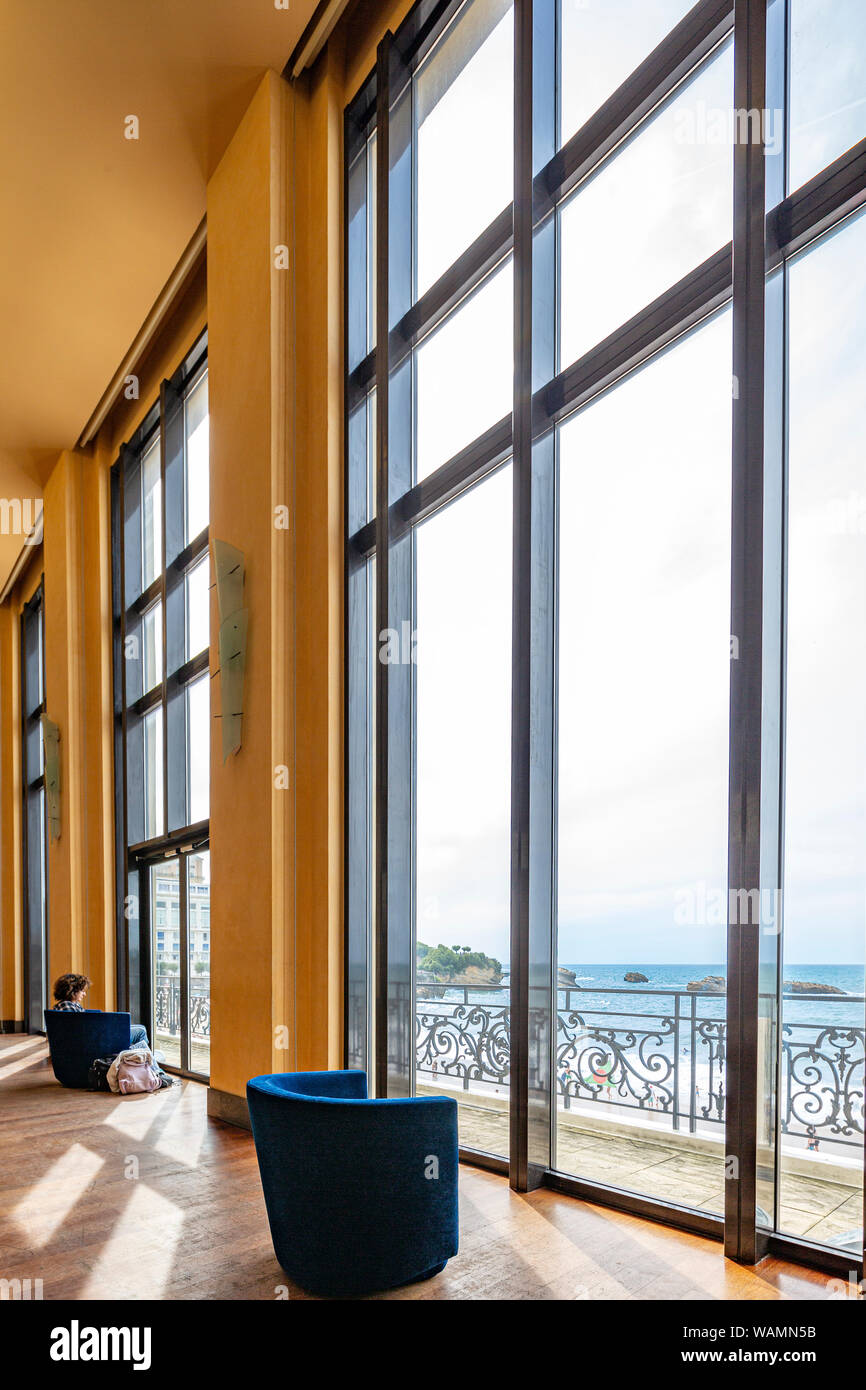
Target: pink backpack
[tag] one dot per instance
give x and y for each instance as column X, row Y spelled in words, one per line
column 136, row 1076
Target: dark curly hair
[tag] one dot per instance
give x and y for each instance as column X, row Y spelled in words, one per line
column 69, row 985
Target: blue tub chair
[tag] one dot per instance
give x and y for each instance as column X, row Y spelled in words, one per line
column 75, row 1039
column 361, row 1194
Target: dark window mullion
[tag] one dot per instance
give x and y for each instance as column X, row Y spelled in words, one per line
column 155, row 590
column 190, row 669
column 520, row 1174
column 192, row 552
column 832, row 195
column 121, row 836
column 183, row 924
column 164, row 685
column 383, row 59
column 747, row 513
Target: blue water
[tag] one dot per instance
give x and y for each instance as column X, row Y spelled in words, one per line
column 597, row 982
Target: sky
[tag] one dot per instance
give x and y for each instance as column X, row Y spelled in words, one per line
column 644, row 641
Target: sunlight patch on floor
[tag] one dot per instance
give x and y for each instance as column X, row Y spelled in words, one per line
column 22, row 1063
column 145, row 1236
column 183, row 1134
column 134, row 1115
column 51, row 1200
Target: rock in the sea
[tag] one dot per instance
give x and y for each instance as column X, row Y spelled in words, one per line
column 565, row 976
column 634, row 977
column 710, row 984
column 807, row 987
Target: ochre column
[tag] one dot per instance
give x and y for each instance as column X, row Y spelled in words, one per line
column 251, row 814
column 78, row 699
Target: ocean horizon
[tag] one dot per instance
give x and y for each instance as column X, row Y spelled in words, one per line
column 596, row 983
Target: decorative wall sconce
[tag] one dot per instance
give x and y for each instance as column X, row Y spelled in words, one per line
column 51, row 746
column 229, row 566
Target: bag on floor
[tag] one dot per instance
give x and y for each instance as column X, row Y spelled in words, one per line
column 133, row 1073
column 97, row 1076
column 133, row 1077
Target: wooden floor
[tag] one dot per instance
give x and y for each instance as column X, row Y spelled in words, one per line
column 106, row 1197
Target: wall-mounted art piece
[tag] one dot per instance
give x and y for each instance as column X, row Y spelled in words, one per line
column 51, row 746
column 229, row 567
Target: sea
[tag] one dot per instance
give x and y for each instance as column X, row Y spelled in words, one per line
column 597, row 983
column 602, row 989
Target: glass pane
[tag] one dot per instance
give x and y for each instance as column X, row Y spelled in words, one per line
column 644, row 620
column 33, row 751
column 370, row 210
column 653, row 212
column 822, row 1074
column 198, row 724
column 464, row 374
column 463, row 808
column 165, row 953
column 464, row 142
column 198, row 907
column 151, row 515
column 33, row 672
column 361, row 259
column 196, row 424
column 827, row 83
column 602, row 45
column 154, row 810
column 151, row 636
column 197, row 609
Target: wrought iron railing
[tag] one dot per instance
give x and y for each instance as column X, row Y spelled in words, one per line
column 669, row 1062
column 167, row 1006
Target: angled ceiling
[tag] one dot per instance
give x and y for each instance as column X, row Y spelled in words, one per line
column 93, row 223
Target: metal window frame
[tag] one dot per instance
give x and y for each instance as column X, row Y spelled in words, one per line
column 165, row 420
column 181, row 851
column 30, row 717
column 764, row 240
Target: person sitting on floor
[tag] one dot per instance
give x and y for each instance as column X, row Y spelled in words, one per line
column 70, row 992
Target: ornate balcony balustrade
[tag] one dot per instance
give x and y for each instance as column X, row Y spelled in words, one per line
column 665, row 1058
column 167, row 1005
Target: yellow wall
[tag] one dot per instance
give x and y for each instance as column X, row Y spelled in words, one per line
column 252, row 907
column 76, row 558
column 276, row 442
column 276, row 401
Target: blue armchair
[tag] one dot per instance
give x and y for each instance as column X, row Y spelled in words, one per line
column 75, row 1039
column 361, row 1194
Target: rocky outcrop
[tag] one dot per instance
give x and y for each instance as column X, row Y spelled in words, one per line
column 710, row 984
column 634, row 977
column 807, row 987
column 477, row 975
column 566, row 977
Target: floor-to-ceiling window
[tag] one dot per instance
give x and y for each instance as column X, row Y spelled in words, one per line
column 162, row 704
column 602, row 809
column 644, row 585
column 440, row 631
column 35, row 823
column 820, row 1187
